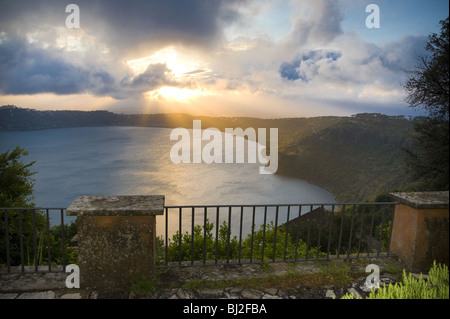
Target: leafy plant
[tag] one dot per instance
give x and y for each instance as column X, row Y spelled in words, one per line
column 259, row 246
column 436, row 286
column 144, row 285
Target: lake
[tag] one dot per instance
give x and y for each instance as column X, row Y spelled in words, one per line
column 136, row 161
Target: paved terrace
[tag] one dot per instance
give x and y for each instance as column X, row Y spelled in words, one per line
column 171, row 280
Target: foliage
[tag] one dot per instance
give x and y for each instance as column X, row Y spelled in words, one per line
column 356, row 159
column 16, row 184
column 384, row 232
column 25, row 221
column 352, row 229
column 56, row 244
column 260, row 246
column 144, row 286
column 428, row 88
column 356, row 229
column 428, row 159
column 285, row 245
column 49, row 244
column 435, row 286
column 330, row 275
column 428, row 85
column 16, row 188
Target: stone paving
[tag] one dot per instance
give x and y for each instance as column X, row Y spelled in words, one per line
column 52, row 285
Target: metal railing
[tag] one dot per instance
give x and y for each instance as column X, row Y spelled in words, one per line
column 200, row 235
column 29, row 244
column 212, row 234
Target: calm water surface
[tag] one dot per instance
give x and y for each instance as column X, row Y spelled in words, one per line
column 132, row 160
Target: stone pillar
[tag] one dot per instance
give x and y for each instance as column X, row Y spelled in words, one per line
column 116, row 238
column 420, row 229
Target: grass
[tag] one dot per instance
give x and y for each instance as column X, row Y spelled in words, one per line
column 144, row 285
column 334, row 274
column 337, row 273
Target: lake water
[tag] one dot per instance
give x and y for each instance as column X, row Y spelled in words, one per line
column 136, row 161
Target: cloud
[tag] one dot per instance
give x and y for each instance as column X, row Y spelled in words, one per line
column 38, row 54
column 127, row 26
column 155, row 76
column 403, row 54
column 219, row 44
column 28, row 69
column 315, row 22
column 351, row 73
column 307, row 65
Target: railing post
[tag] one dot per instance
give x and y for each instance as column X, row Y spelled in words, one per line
column 117, row 236
column 420, row 229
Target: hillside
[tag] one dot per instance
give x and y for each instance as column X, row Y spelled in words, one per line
column 355, row 158
column 16, row 119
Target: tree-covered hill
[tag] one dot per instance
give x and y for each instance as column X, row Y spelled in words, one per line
column 356, row 159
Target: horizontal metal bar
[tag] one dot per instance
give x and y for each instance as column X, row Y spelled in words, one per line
column 275, row 205
column 226, row 206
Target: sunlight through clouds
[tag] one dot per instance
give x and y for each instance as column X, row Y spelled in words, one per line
column 181, row 66
column 222, row 56
column 176, row 94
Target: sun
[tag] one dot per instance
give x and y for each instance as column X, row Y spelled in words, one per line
column 183, row 66
column 175, row 94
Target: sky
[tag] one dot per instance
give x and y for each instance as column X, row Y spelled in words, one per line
column 259, row 58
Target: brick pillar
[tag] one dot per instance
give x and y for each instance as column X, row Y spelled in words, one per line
column 116, row 238
column 420, row 229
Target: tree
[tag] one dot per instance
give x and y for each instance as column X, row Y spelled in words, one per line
column 428, row 88
column 16, row 189
column 25, row 227
column 16, row 184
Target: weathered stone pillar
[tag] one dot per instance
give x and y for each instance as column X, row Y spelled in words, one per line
column 116, row 238
column 420, row 229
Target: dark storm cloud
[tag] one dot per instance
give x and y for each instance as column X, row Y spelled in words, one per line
column 155, row 76
column 320, row 22
column 27, row 69
column 125, row 28
column 403, row 54
column 129, row 25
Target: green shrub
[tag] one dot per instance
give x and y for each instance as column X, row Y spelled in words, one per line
column 436, row 286
column 259, row 247
column 144, row 286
